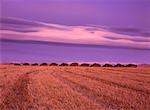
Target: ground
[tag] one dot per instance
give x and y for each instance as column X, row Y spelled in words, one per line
column 74, row 88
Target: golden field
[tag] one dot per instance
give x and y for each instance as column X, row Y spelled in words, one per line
column 74, row 88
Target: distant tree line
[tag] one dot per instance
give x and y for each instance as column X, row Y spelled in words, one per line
column 75, row 64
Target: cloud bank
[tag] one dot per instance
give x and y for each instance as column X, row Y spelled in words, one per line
column 21, row 29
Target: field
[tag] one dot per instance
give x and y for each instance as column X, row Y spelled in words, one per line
column 74, row 88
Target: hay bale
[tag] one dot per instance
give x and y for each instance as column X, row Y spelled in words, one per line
column 64, row 64
column 35, row 64
column 43, row 64
column 95, row 65
column 107, row 65
column 53, row 64
column 74, row 64
column 25, row 64
column 131, row 65
column 17, row 64
column 85, row 65
column 119, row 65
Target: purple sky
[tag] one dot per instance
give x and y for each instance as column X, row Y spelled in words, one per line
column 124, row 13
column 119, row 28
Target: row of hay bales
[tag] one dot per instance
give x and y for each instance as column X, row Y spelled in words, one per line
column 76, row 64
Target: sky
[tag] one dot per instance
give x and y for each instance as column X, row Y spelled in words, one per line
column 115, row 31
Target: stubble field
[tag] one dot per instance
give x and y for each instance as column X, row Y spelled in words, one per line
column 74, row 88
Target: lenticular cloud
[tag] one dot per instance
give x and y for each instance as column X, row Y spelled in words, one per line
column 21, row 29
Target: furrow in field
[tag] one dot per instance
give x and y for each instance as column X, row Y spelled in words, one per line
column 17, row 97
column 93, row 94
column 131, row 71
column 136, row 72
column 120, row 77
column 131, row 99
column 8, row 78
column 112, row 80
column 57, row 96
column 135, row 75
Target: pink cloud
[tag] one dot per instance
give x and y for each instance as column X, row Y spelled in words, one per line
column 75, row 34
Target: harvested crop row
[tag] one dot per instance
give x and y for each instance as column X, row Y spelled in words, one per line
column 77, row 88
column 56, row 95
column 118, row 79
column 131, row 99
